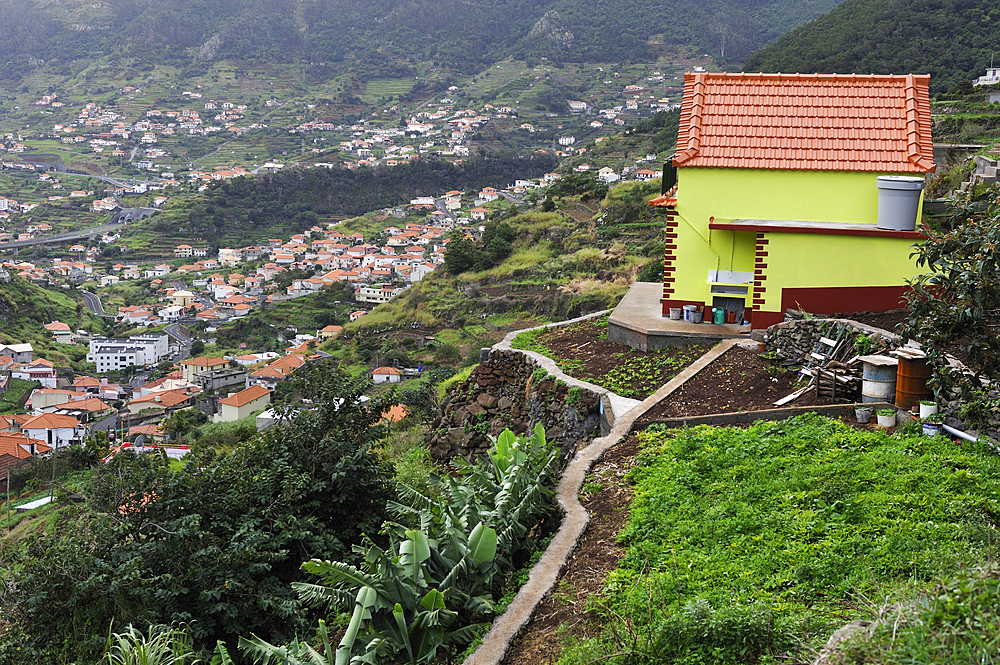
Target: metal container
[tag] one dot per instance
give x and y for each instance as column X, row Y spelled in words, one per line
column 688, row 310
column 878, row 379
column 911, row 382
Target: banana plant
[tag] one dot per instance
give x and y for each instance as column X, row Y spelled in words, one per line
column 399, row 604
column 509, row 491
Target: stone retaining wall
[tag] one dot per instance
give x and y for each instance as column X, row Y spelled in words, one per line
column 795, row 339
column 508, row 389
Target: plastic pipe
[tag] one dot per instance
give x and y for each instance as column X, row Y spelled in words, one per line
column 960, row 434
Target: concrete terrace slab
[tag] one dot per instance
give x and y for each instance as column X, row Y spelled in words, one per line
column 638, row 322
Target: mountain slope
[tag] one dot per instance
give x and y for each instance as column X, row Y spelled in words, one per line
column 952, row 40
column 383, row 37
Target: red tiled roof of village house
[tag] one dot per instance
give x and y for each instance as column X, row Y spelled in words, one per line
column 244, row 397
column 11, row 444
column 828, row 122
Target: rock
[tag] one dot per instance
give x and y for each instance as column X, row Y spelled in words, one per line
column 839, row 636
column 504, row 403
column 457, row 435
column 486, row 400
column 475, row 409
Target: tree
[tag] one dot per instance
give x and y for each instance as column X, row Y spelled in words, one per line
column 955, row 305
column 218, row 543
column 460, row 253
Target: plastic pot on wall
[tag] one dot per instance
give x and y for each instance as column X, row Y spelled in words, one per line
column 886, row 417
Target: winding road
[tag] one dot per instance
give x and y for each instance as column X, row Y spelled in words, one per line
column 93, row 303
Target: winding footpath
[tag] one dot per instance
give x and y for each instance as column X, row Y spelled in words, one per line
column 544, row 575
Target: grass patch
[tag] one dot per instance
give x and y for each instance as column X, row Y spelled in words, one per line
column 754, row 545
column 452, row 380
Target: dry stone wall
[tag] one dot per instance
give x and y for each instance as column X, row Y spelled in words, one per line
column 508, row 389
column 795, row 339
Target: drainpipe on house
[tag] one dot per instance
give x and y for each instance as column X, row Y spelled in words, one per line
column 708, row 243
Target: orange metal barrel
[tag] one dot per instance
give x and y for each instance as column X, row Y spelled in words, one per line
column 911, row 382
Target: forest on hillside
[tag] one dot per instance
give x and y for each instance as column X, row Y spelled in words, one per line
column 245, row 209
column 383, row 37
column 952, row 40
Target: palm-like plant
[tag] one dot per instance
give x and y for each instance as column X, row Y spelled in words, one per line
column 160, row 645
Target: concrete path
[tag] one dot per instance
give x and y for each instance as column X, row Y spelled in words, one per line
column 619, row 405
column 544, row 575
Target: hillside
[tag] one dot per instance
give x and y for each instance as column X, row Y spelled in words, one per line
column 382, row 37
column 952, row 40
column 253, row 208
column 25, row 308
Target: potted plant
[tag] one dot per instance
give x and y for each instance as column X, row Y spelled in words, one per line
column 927, row 407
column 863, row 414
column 886, row 417
column 933, row 424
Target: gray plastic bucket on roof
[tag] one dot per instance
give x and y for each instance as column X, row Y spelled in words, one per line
column 898, row 202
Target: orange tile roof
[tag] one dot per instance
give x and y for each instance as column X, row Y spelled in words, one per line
column 204, row 361
column 92, row 404
column 50, row 421
column 245, row 396
column 167, row 398
column 827, row 122
column 12, row 444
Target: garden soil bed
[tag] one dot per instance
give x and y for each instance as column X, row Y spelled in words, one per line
column 580, row 352
column 739, row 380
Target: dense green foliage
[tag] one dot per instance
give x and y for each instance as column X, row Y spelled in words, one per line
column 955, row 303
column 384, row 38
column 215, row 544
column 952, row 40
column 956, row 621
column 254, row 208
column 419, row 600
column 749, row 545
column 463, row 254
column 664, row 127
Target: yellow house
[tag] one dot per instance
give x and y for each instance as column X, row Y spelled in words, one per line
column 774, row 202
column 242, row 404
column 193, row 366
column 183, row 298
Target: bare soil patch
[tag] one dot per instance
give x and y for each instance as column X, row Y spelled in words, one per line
column 606, row 496
column 739, row 380
column 580, row 351
column 884, row 320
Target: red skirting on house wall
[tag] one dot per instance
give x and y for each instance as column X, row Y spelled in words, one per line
column 833, row 300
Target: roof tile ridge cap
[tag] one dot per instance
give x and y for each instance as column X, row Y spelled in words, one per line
column 914, row 153
column 696, row 108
